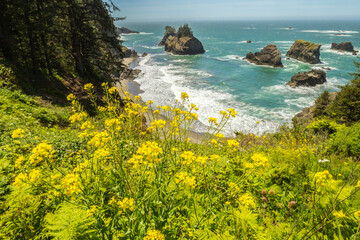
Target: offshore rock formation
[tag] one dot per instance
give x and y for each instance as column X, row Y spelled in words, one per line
column 182, row 42
column 269, row 55
column 305, row 51
column 344, row 46
column 169, row 31
column 308, row 79
column 124, row 30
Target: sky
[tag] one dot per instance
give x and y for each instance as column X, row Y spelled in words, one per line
column 193, row 10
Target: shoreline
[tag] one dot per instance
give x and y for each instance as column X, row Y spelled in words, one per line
column 127, row 84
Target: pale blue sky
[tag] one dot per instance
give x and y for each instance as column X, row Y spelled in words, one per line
column 160, row 10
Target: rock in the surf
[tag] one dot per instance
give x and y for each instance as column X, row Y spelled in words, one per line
column 124, row 30
column 344, row 46
column 308, row 79
column 269, row 55
column 305, row 51
column 128, row 53
column 183, row 42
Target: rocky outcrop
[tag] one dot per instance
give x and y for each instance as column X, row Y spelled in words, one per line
column 344, row 46
column 248, row 41
column 124, row 30
column 169, row 31
column 184, row 46
column 128, row 53
column 308, row 79
column 305, row 51
column 269, row 55
column 130, row 74
column 306, row 115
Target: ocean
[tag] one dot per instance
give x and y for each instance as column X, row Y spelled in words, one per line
column 220, row 78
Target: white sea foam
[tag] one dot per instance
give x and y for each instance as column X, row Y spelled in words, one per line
column 151, row 47
column 329, row 31
column 327, row 48
column 164, row 84
column 228, row 58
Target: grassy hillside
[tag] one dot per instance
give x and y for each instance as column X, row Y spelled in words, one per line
column 68, row 175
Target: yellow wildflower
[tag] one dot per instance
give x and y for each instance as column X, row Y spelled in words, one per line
column 247, row 200
column 18, row 133
column 20, row 180
column 71, row 184
column 88, row 87
column 154, row 235
column 188, row 157
column 92, row 210
column 358, row 184
column 77, row 117
column 184, row 96
column 260, row 160
column 232, row 112
column 158, row 123
column 35, row 176
column 213, row 120
column 185, row 179
column 322, row 177
column 113, row 90
column 150, row 102
column 71, row 97
column 86, row 125
column 339, row 214
column 233, row 143
column 19, row 161
column 41, row 152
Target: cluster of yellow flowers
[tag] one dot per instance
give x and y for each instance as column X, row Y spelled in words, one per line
column 71, row 184
column 99, row 139
column 154, row 235
column 124, row 204
column 233, row 143
column 34, row 177
column 78, row 117
column 259, row 160
column 321, row 178
column 41, row 152
column 184, row 96
column 339, row 214
column 88, row 87
column 92, row 210
column 87, row 125
column 188, row 157
column 184, row 179
column 157, row 124
column 113, row 123
column 213, row 120
column 18, row 133
column 146, row 154
column 19, row 161
column 247, row 200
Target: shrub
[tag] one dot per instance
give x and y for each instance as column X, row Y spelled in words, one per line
column 346, row 141
column 184, row 31
column 325, row 126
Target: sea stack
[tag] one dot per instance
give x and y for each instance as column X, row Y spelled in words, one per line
column 181, row 42
column 308, row 79
column 305, row 51
column 269, row 55
column 344, row 46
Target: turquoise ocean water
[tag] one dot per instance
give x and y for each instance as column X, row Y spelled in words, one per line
column 220, row 79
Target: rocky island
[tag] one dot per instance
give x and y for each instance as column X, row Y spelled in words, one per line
column 124, row 30
column 305, row 51
column 181, row 42
column 269, row 56
column 344, row 46
column 308, row 79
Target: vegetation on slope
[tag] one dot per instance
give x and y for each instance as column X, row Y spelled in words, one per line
column 109, row 177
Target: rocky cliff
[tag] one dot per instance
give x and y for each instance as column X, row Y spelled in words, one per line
column 169, row 31
column 269, row 55
column 181, row 44
column 305, row 51
column 308, row 79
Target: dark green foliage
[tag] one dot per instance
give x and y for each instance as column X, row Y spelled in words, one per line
column 320, row 104
column 47, row 41
column 347, row 141
column 345, row 108
column 184, row 31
